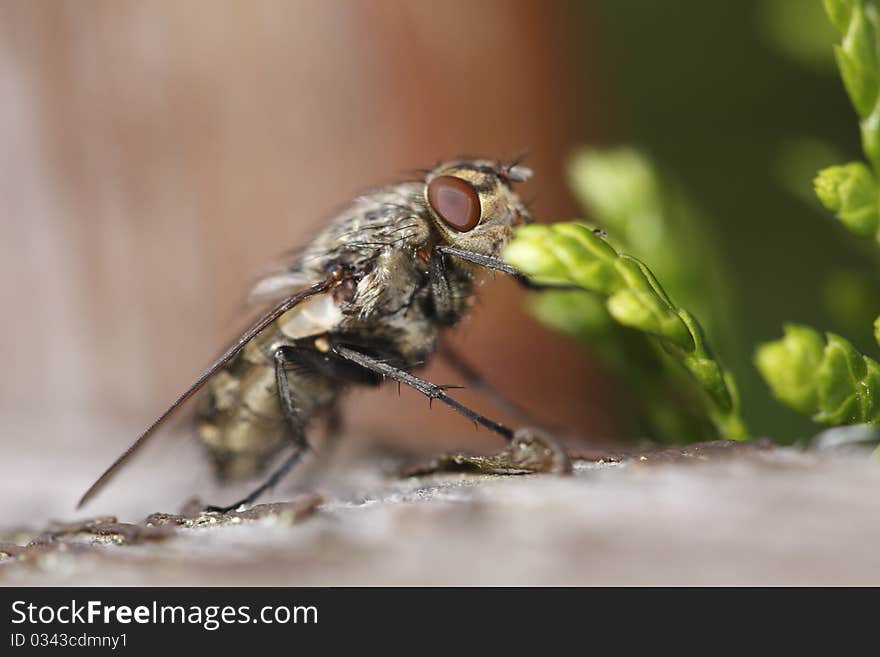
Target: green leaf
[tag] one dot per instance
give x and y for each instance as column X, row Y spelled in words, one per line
column 850, row 190
column 839, row 12
column 858, row 60
column 648, row 216
column 828, row 379
column 870, row 130
column 857, row 57
column 643, row 305
column 789, row 365
column 573, row 253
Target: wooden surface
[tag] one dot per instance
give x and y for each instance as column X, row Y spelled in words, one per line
column 716, row 514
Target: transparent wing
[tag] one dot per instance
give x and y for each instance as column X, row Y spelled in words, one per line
column 286, row 304
column 277, row 286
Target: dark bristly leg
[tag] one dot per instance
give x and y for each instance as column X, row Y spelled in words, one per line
column 446, row 312
column 273, row 479
column 441, row 293
column 430, row 390
column 476, row 381
column 284, row 357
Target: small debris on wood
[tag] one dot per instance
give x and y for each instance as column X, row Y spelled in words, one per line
column 81, row 535
column 284, row 512
column 10, row 550
column 84, row 535
column 530, row 451
column 105, row 529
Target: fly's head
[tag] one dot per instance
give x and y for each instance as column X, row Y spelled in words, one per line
column 473, row 204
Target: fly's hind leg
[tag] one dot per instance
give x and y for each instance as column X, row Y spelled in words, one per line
column 284, row 357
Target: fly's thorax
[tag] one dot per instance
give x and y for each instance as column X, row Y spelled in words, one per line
column 387, row 219
column 391, row 287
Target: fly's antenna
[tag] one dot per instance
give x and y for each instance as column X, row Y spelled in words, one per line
column 514, row 171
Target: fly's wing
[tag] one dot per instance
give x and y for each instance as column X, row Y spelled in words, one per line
column 286, row 304
column 277, row 286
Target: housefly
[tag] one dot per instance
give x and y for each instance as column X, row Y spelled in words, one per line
column 367, row 300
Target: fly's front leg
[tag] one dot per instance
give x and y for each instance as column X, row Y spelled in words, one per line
column 478, row 382
column 430, row 390
column 530, row 450
column 447, row 312
column 446, row 309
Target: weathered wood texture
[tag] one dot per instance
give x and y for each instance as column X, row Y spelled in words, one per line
column 728, row 514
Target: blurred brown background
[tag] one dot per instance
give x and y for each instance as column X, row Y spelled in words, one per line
column 158, row 156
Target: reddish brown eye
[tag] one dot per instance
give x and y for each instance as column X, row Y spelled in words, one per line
column 455, row 201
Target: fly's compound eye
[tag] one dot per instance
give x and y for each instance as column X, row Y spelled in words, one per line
column 455, row 202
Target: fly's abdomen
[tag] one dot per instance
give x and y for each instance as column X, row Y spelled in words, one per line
column 241, row 422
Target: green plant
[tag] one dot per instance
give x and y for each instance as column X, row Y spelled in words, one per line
column 825, row 378
column 850, row 190
column 650, row 217
column 828, row 378
column 632, row 297
column 654, row 345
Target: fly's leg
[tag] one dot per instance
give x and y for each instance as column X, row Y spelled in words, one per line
column 430, row 390
column 477, row 381
column 336, row 276
column 284, row 356
column 446, row 312
column 325, row 364
column 527, row 450
column 445, row 305
column 270, row 482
